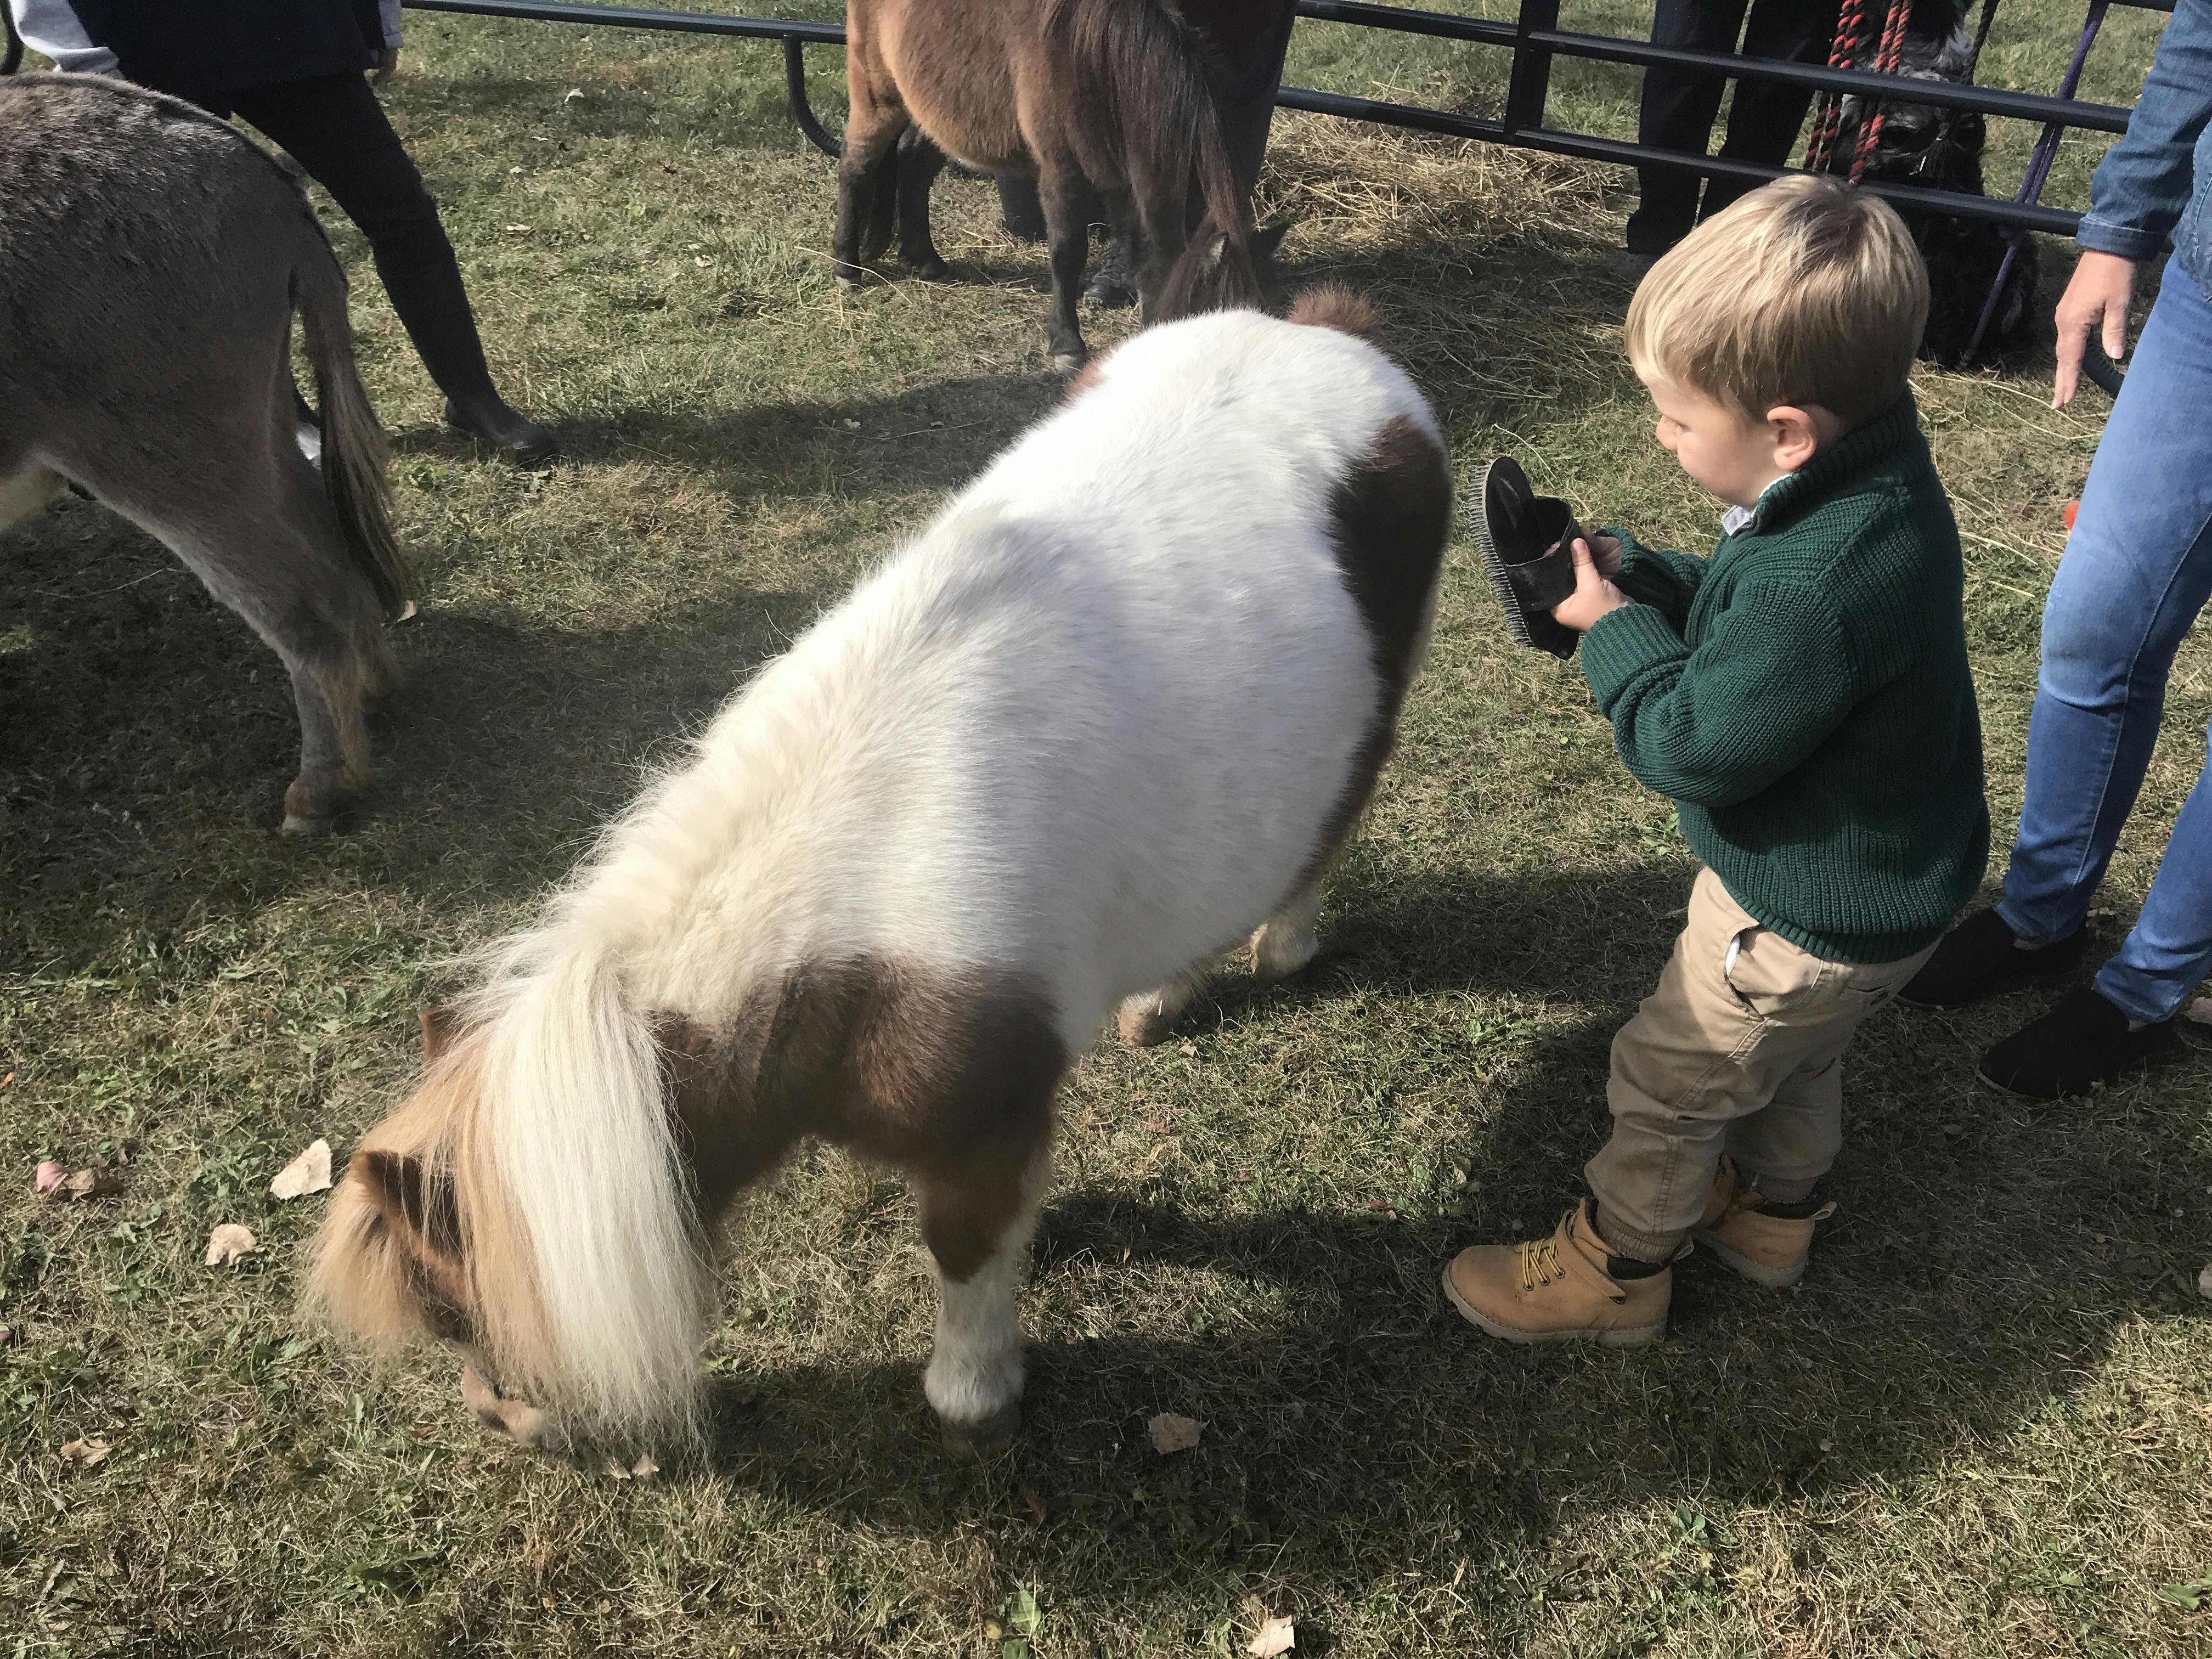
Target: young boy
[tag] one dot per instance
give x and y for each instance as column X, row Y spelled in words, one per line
column 1804, row 697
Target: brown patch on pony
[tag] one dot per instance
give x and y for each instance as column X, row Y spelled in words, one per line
column 1389, row 519
column 948, row 1077
column 1332, row 307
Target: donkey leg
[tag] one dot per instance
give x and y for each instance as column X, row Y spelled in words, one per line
column 919, row 163
column 1286, row 942
column 257, row 529
column 1150, row 1017
column 1067, row 236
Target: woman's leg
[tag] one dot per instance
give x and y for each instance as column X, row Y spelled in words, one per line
column 1677, row 114
column 336, row 131
column 1766, row 115
column 2137, row 572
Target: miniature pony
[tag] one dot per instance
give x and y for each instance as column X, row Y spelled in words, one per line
column 1095, row 99
column 1116, row 709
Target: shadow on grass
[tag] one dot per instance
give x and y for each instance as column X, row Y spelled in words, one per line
column 1985, row 1257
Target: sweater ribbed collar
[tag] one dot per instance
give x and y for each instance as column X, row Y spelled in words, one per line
column 1886, row 438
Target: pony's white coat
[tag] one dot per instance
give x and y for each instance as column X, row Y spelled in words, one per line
column 1089, row 726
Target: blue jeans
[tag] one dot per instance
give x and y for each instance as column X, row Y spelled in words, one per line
column 2137, row 570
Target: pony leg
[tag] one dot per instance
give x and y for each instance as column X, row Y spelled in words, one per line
column 1286, row 942
column 1158, row 211
column 866, row 177
column 976, row 1219
column 1067, row 236
column 919, row 163
column 1150, row 1017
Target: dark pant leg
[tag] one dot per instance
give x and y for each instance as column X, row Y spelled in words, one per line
column 1764, row 120
column 1677, row 113
column 1244, row 81
column 336, row 130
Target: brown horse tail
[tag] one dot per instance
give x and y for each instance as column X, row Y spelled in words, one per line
column 1142, row 60
column 357, row 463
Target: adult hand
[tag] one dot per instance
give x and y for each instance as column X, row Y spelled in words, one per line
column 2096, row 299
column 1595, row 593
column 387, row 63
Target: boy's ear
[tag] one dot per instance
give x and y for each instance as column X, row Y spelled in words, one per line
column 1796, row 433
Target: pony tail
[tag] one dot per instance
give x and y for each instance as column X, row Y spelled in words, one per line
column 614, row 1285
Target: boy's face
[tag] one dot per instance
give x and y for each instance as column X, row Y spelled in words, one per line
column 1734, row 458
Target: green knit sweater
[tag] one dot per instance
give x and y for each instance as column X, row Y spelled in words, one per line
column 1804, row 697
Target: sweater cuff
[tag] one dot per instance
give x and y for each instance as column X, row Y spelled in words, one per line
column 1621, row 644
column 2125, row 241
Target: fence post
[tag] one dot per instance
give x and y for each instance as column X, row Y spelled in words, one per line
column 1532, row 67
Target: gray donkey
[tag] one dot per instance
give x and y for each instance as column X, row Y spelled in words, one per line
column 150, row 261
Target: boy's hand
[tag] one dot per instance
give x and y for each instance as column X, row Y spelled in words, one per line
column 1595, row 593
column 1605, row 554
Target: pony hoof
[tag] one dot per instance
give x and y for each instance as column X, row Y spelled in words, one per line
column 1069, row 364
column 519, row 1420
column 931, row 269
column 302, row 823
column 847, row 277
column 985, row 1438
column 1279, row 955
column 1145, row 1027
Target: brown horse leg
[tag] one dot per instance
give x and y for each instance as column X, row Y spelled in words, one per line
column 976, row 1214
column 866, row 179
column 1066, row 201
column 919, row 163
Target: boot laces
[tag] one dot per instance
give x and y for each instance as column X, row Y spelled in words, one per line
column 1539, row 1263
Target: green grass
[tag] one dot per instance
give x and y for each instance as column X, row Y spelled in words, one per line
column 1980, row 1428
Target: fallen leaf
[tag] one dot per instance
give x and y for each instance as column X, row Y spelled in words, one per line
column 310, row 1172
column 1277, row 1635
column 572, row 94
column 645, row 1469
column 95, row 1182
column 1155, row 1126
column 1187, row 1049
column 1033, row 1501
column 1171, row 1433
column 86, row 1453
column 2199, row 1010
column 48, row 1178
column 5, row 1081
column 2204, row 1283
column 227, row 1241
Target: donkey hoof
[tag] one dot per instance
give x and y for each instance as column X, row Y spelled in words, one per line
column 988, row 1436
column 305, row 824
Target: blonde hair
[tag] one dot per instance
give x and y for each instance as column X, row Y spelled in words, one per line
column 1805, row 291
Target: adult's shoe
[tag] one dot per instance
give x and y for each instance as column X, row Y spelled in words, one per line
column 1981, row 957
column 2082, row 1041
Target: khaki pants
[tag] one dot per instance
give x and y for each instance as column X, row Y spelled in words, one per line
column 1740, row 1051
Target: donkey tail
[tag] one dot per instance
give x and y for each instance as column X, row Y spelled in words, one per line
column 356, row 459
column 584, row 1146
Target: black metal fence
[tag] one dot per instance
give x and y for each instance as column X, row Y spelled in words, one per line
column 1534, row 38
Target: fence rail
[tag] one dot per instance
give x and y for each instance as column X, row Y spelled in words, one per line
column 1533, row 38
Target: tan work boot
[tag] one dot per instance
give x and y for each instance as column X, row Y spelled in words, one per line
column 1558, row 1290
column 1766, row 1249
